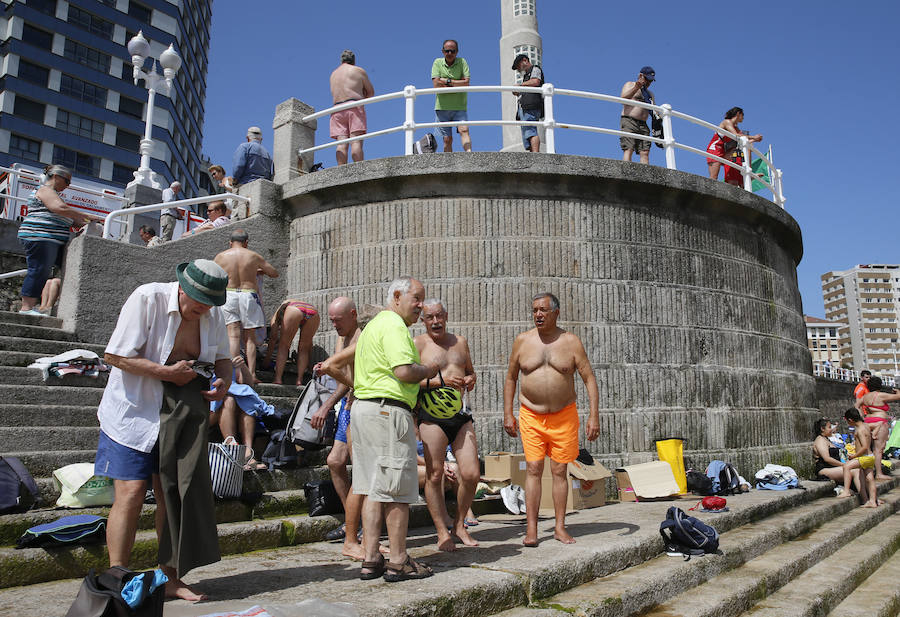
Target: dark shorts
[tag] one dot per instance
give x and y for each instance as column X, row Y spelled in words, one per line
column 629, row 124
column 451, row 426
column 120, row 462
column 450, row 115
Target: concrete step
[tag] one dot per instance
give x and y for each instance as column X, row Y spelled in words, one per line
column 30, row 566
column 56, row 438
column 44, row 347
column 40, row 464
column 47, row 415
column 472, row 582
column 27, row 331
column 826, row 584
column 655, row 581
column 877, row 596
column 746, row 588
column 50, row 395
column 19, row 357
column 9, row 317
column 23, row 376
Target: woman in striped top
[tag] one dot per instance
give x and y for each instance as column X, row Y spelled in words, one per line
column 44, row 232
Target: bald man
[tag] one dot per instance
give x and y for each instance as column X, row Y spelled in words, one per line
column 343, row 316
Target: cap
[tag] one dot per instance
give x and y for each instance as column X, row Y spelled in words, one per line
column 518, row 59
column 648, row 72
column 203, row 280
column 254, row 130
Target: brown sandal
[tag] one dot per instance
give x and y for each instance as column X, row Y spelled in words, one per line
column 376, row 569
column 406, row 571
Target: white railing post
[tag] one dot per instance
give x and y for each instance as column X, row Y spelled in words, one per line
column 549, row 122
column 667, row 134
column 409, row 123
column 745, row 167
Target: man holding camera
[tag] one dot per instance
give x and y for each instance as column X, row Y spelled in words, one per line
column 634, row 117
column 154, row 415
column 531, row 104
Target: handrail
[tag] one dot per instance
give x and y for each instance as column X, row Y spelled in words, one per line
column 846, row 374
column 550, row 123
column 9, row 275
column 165, row 206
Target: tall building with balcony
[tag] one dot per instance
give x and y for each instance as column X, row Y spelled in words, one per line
column 67, row 93
column 867, row 299
column 823, row 341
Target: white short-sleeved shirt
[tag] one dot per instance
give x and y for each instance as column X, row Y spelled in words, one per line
column 148, row 322
column 167, row 196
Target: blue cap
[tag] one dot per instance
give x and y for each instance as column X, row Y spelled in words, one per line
column 648, row 72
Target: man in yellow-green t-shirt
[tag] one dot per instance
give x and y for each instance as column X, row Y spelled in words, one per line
column 449, row 71
column 387, row 372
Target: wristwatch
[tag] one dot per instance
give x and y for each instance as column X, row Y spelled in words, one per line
column 448, row 81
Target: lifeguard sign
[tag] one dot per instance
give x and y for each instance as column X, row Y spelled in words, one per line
column 89, row 197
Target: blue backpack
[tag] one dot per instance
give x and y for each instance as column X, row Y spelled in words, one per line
column 689, row 535
column 725, row 478
column 65, row 531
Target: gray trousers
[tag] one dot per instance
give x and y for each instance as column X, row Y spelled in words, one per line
column 166, row 226
column 189, row 538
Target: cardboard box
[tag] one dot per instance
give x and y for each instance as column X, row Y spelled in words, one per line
column 587, row 487
column 646, row 481
column 500, row 466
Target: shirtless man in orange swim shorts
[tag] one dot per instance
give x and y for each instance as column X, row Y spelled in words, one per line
column 548, row 357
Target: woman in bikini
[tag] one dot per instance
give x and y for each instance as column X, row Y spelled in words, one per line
column 291, row 316
column 874, row 409
column 828, row 458
column 720, row 145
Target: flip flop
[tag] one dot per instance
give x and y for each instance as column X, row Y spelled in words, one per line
column 468, row 522
column 254, row 465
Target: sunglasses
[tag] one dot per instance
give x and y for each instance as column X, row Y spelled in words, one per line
column 449, row 51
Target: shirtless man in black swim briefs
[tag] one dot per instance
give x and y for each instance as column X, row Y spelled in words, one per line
column 444, row 419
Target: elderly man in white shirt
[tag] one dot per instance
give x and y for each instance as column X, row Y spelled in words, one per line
column 168, row 217
column 154, row 415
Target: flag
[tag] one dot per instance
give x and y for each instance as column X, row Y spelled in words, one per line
column 759, row 167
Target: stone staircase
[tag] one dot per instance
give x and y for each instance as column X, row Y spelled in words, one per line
column 796, row 553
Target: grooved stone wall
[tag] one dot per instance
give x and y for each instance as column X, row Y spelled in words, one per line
column 682, row 289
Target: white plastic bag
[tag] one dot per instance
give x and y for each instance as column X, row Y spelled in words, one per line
column 80, row 488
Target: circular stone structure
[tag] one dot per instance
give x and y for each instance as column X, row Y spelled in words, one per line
column 683, row 289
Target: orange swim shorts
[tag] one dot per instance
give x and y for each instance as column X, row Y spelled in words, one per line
column 549, row 434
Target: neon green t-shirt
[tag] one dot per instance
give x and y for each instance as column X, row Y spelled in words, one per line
column 383, row 345
column 458, row 70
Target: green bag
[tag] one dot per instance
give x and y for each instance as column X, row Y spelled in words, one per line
column 80, row 488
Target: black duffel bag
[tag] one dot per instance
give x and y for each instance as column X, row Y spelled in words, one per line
column 101, row 595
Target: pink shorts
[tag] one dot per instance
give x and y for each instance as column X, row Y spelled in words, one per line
column 348, row 122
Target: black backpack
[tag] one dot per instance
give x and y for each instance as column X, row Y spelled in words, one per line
column 101, row 595
column 729, row 480
column 280, row 453
column 322, row 499
column 18, row 492
column 688, row 535
column 699, row 483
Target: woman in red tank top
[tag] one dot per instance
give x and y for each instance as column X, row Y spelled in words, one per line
column 721, row 145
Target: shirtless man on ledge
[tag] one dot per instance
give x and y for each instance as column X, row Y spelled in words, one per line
column 548, row 357
column 243, row 310
column 453, row 426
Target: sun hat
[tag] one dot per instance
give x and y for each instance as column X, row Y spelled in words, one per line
column 203, row 280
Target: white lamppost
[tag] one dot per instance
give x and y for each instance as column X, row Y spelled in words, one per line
column 170, row 61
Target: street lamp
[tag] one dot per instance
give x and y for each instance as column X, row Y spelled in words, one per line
column 170, row 61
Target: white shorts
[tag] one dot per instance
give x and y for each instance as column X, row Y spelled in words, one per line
column 244, row 306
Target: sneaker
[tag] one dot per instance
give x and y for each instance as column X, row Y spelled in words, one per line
column 673, row 551
column 510, row 499
column 520, row 495
column 34, row 312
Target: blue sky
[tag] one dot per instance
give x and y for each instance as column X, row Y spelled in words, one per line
column 819, row 80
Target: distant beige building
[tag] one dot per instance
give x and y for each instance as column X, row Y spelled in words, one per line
column 867, row 299
column 823, row 342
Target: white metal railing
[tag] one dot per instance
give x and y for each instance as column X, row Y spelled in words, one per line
column 9, row 275
column 550, row 124
column 107, row 232
column 845, row 374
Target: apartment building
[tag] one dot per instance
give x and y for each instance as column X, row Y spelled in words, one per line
column 866, row 299
column 67, row 93
column 822, row 340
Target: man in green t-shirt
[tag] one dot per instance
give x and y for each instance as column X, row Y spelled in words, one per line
column 387, row 372
column 450, row 71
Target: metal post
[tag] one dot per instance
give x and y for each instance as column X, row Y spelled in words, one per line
column 745, row 167
column 409, row 123
column 549, row 122
column 144, row 175
column 667, row 134
column 780, row 188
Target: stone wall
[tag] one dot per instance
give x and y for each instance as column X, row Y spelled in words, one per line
column 100, row 273
column 683, row 289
